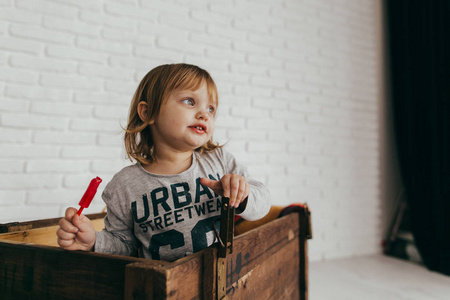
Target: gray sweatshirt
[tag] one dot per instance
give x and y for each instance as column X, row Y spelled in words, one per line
column 166, row 217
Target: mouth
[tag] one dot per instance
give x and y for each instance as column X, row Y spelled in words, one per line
column 199, row 128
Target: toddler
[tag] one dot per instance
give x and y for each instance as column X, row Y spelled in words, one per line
column 163, row 207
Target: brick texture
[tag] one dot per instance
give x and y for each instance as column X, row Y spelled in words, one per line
column 298, row 90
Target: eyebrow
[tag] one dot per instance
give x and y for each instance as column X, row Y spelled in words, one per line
column 184, row 91
column 189, row 92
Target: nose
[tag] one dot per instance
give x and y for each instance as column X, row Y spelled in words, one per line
column 202, row 114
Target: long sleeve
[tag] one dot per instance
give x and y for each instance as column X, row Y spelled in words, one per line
column 166, row 217
column 118, row 236
column 258, row 203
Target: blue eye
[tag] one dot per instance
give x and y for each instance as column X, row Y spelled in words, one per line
column 211, row 109
column 188, row 101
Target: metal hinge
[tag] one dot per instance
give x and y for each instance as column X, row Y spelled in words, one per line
column 225, row 247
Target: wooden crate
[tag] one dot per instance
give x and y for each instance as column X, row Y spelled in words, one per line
column 268, row 262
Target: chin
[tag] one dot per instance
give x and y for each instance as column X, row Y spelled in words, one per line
column 198, row 146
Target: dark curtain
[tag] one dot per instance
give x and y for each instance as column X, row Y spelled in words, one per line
column 418, row 49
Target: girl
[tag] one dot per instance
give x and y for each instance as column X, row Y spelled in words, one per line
column 163, row 207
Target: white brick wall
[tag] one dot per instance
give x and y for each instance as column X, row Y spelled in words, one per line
column 299, row 100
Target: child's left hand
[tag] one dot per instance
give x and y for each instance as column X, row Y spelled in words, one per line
column 232, row 186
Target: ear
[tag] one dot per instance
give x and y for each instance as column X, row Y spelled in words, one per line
column 142, row 111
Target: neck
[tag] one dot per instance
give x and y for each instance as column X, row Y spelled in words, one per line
column 170, row 162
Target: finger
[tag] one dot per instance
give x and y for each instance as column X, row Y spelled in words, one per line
column 82, row 223
column 216, row 186
column 64, row 235
column 226, row 186
column 234, row 189
column 67, row 226
column 70, row 212
column 247, row 191
column 67, row 244
column 241, row 191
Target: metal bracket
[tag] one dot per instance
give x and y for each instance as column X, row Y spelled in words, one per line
column 307, row 213
column 225, row 247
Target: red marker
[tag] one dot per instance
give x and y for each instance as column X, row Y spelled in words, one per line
column 89, row 194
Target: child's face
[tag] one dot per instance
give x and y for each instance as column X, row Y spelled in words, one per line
column 186, row 120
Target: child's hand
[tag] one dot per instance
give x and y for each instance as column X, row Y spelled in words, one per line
column 75, row 232
column 232, row 186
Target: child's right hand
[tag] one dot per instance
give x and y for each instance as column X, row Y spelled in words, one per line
column 75, row 232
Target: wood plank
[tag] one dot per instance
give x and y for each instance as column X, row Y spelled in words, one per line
column 191, row 277
column 275, row 278
column 258, row 255
column 243, row 226
column 21, row 226
column 209, row 273
column 276, row 242
column 139, row 280
column 253, row 247
column 184, row 278
column 305, row 234
column 303, row 269
column 42, row 235
column 40, row 272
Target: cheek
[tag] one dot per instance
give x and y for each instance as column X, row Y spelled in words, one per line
column 175, row 119
column 211, row 128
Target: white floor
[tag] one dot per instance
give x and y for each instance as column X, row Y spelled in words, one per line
column 375, row 277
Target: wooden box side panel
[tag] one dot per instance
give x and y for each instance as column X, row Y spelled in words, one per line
column 264, row 265
column 265, row 262
column 192, row 277
column 39, row 272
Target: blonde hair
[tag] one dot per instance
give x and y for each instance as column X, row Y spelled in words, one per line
column 154, row 89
